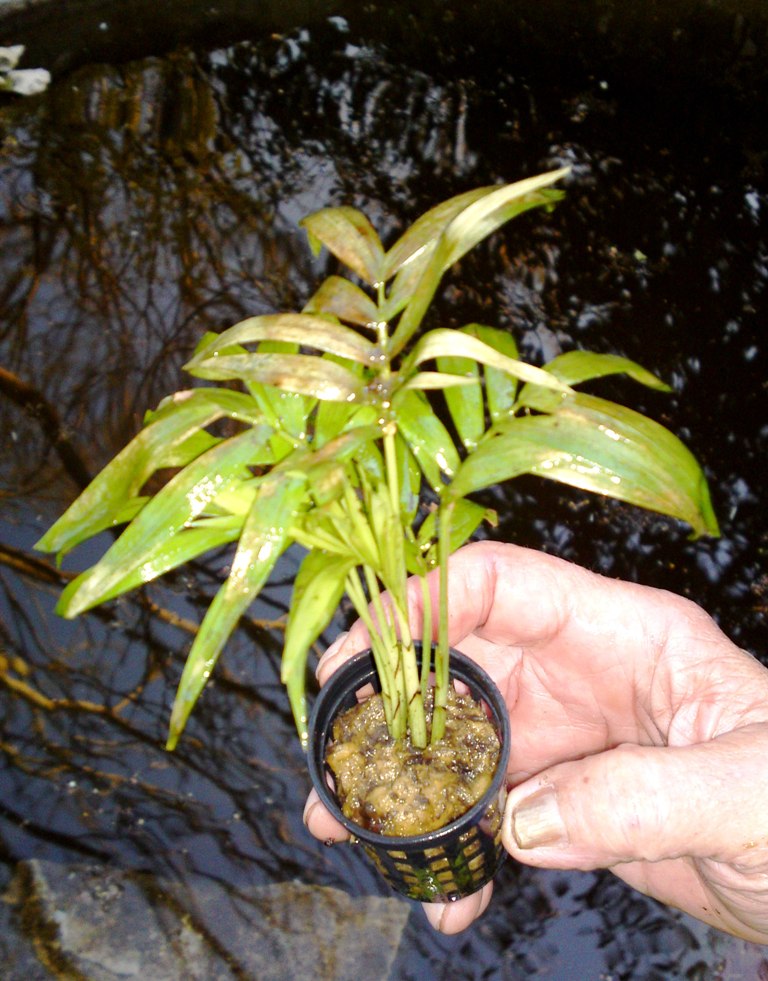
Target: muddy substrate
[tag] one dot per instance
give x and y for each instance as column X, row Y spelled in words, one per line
column 393, row 788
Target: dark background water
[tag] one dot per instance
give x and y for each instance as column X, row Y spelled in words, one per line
column 153, row 193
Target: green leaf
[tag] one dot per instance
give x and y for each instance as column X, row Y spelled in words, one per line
column 444, row 342
column 331, row 417
column 427, row 381
column 384, row 521
column 348, row 234
column 320, row 466
column 427, row 438
column 344, row 447
column 411, row 255
column 409, row 479
column 467, row 518
column 301, row 374
column 338, row 297
column 120, row 516
column 175, row 425
column 335, row 528
column 575, row 367
column 597, row 446
column 500, row 387
column 234, row 499
column 485, row 216
column 405, row 286
column 328, row 483
column 465, row 403
column 357, row 439
column 325, row 527
column 290, row 328
column 367, row 454
column 187, row 544
column 317, row 592
column 467, row 228
column 181, row 500
column 285, row 411
column 422, row 235
column 263, row 539
column 190, row 448
column 222, row 401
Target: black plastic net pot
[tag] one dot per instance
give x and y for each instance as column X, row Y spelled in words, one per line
column 442, row 865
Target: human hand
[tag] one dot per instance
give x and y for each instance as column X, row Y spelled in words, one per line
column 639, row 734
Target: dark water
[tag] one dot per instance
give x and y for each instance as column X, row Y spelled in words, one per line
column 144, row 201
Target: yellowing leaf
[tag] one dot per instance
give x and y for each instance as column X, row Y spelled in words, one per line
column 338, row 297
column 289, row 328
column 300, row 374
column 348, row 234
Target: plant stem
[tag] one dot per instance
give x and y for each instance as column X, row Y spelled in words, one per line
column 426, row 636
column 386, row 638
column 408, row 717
column 390, row 465
column 386, row 628
column 417, row 720
column 381, row 655
column 442, row 665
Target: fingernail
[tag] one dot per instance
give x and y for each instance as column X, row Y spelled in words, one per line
column 330, row 651
column 536, row 821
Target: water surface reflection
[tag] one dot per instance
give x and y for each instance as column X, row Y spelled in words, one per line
column 146, row 202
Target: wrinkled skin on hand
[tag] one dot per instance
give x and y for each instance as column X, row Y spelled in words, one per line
column 640, row 733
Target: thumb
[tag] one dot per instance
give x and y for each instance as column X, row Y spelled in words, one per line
column 638, row 803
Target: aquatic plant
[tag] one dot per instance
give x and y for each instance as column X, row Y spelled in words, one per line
column 356, row 434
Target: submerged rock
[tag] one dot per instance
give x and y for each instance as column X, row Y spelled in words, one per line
column 88, row 922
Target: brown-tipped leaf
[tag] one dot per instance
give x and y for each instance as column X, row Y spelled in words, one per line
column 289, row 328
column 338, row 297
column 348, row 234
column 468, row 227
column 301, row 374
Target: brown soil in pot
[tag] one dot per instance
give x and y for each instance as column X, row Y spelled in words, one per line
column 392, row 788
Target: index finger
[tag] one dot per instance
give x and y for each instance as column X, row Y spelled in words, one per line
column 503, row 598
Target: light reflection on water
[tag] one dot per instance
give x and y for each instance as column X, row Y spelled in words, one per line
column 145, row 203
